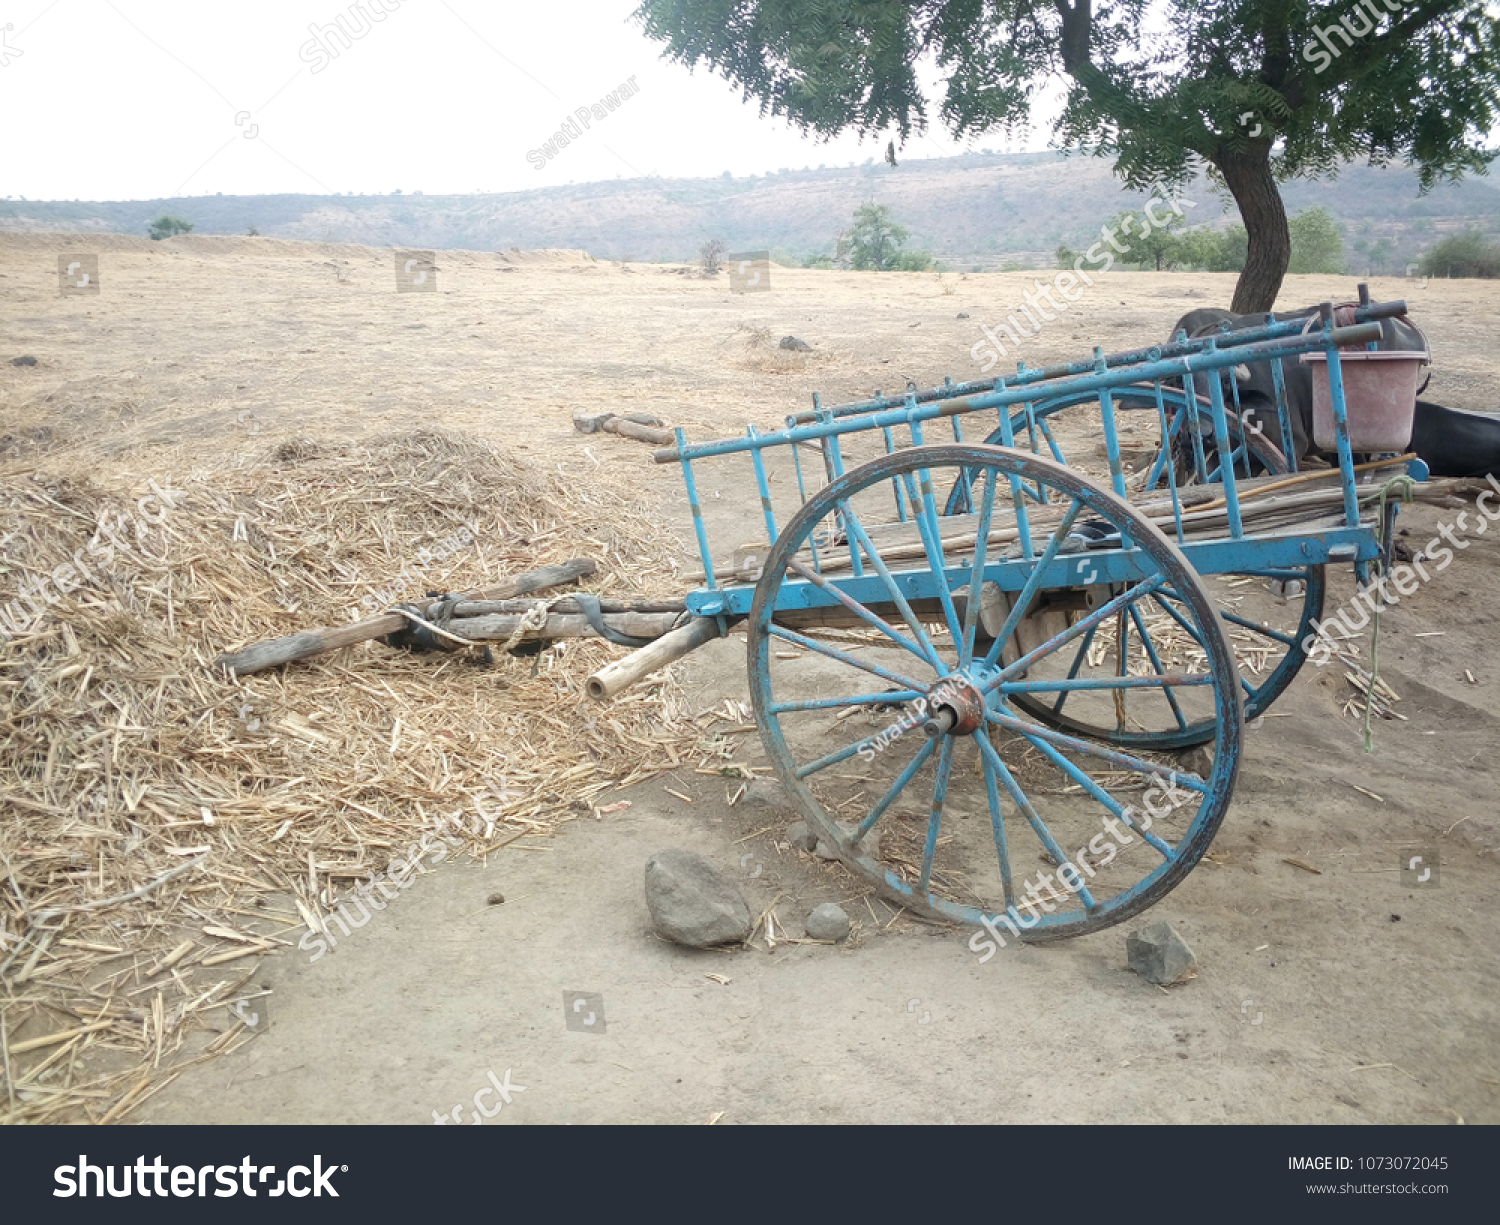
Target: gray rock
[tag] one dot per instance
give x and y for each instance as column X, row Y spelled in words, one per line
column 963, row 314
column 766, row 793
column 692, row 903
column 827, row 922
column 801, row 837
column 1159, row 955
column 25, row 360
column 1199, row 761
column 870, row 843
column 797, row 346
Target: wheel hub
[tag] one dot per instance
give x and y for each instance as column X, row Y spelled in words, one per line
column 955, row 707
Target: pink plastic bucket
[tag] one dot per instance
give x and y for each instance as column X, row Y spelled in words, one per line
column 1380, row 398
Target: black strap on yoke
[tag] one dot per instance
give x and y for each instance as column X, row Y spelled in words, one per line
column 414, row 636
column 589, row 604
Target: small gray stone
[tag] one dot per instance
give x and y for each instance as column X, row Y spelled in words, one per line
column 801, row 838
column 869, row 844
column 24, row 360
column 963, row 314
column 797, row 346
column 692, row 903
column 1199, row 761
column 765, row 793
column 827, row 922
column 1159, row 955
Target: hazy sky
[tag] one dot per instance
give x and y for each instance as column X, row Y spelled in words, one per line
column 137, row 99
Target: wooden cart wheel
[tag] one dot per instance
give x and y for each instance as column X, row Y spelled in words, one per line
column 912, row 732
column 1266, row 627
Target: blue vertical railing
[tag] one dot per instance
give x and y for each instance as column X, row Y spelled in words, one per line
column 1016, row 399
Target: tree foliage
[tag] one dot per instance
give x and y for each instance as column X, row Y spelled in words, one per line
column 1317, row 242
column 165, row 226
column 875, row 243
column 1469, row 255
column 1247, row 87
column 1211, row 250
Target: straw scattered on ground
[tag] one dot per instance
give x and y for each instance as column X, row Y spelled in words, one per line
column 163, row 826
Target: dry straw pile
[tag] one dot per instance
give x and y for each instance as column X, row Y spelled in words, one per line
column 162, row 826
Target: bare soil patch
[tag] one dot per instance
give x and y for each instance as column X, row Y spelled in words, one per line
column 326, row 428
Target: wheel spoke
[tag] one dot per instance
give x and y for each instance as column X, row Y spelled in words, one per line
column 1150, row 648
column 1076, row 630
column 935, row 821
column 889, row 697
column 1083, row 651
column 1116, row 757
column 1033, row 581
column 843, row 657
column 869, row 744
column 897, row 598
column 1176, row 616
column 1264, row 630
column 859, row 610
column 905, row 777
column 976, row 576
column 1088, row 783
column 997, row 820
column 932, row 545
column 1108, row 684
column 1030, row 813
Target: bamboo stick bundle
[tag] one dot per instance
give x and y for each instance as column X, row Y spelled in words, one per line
column 309, row 643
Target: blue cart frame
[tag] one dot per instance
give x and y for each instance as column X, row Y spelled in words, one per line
column 984, row 566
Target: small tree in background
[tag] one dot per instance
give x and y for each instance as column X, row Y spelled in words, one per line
column 166, row 226
column 875, row 243
column 874, row 239
column 913, row 261
column 1234, row 250
column 1198, row 249
column 1160, row 248
column 1317, row 244
column 711, row 256
column 1465, row 255
column 1213, row 250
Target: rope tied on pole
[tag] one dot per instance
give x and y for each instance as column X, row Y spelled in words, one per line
column 1405, row 489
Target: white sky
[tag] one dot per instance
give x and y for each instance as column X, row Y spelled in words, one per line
column 137, row 99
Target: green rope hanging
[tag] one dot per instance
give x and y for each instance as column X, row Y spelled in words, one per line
column 1404, row 488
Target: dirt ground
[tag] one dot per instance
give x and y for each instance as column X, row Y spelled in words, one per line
column 1334, row 995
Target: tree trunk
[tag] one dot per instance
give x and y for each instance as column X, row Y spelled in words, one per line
column 1248, row 176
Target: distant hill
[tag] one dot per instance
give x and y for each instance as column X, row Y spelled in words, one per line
column 975, row 212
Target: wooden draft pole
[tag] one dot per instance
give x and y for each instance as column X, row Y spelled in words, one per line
column 614, row 677
column 308, row 643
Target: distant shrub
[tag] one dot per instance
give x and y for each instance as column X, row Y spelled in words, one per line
column 1211, row 250
column 711, row 257
column 165, row 226
column 1462, row 255
column 1317, row 243
column 875, row 242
